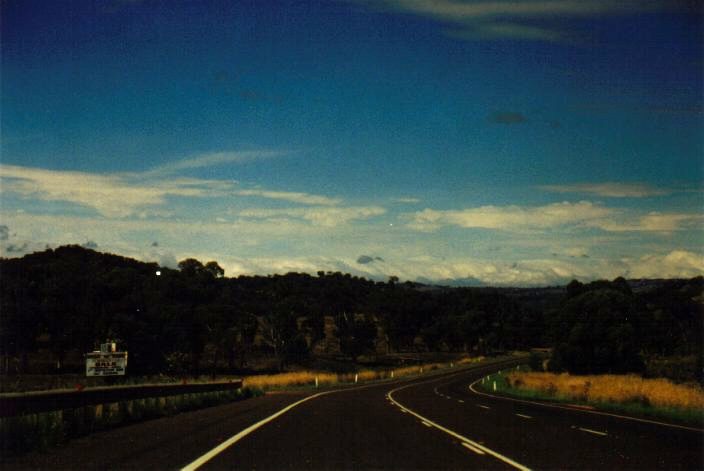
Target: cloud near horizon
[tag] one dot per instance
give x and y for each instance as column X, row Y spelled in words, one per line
column 608, row 189
column 531, row 218
column 511, row 217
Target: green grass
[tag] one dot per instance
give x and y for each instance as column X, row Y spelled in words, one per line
column 691, row 417
column 41, row 431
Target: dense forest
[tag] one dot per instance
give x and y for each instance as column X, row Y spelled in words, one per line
column 65, row 301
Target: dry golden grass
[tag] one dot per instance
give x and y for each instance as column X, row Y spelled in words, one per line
column 307, row 378
column 611, row 388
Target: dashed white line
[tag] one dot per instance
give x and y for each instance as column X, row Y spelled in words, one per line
column 473, row 448
column 524, row 416
column 460, row 400
column 483, row 407
column 595, row 432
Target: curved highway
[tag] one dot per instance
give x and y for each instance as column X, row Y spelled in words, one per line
column 432, row 422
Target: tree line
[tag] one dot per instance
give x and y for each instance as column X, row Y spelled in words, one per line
column 194, row 318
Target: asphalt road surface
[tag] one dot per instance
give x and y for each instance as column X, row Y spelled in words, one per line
column 433, row 422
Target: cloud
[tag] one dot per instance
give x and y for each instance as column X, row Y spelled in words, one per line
column 320, row 216
column 16, row 249
column 4, row 232
column 511, row 217
column 552, row 216
column 507, row 117
column 406, row 200
column 608, row 189
column 674, row 264
column 294, row 197
column 127, row 194
column 110, row 195
column 653, row 222
column 213, row 159
column 495, row 19
column 506, row 31
column 365, row 259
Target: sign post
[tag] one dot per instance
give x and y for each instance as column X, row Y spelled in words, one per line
column 106, row 362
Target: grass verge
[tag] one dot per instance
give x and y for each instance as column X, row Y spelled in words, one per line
column 30, row 432
column 321, row 379
column 626, row 394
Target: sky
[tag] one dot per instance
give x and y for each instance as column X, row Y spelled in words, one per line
column 506, row 143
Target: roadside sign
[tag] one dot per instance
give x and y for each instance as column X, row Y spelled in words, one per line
column 106, row 364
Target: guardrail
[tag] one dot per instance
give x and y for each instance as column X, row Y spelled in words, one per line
column 14, row 404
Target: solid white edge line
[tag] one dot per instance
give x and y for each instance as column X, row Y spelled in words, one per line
column 235, row 438
column 595, row 432
column 524, row 416
column 555, row 406
column 463, row 439
column 476, row 450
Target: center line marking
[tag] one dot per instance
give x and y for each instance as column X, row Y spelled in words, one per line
column 524, row 416
column 595, row 432
column 474, row 449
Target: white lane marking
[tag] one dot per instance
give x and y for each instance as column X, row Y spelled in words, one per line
column 554, row 406
column 474, row 449
column 463, row 439
column 595, row 432
column 524, row 416
column 460, row 400
column 483, row 407
column 235, row 438
column 239, row 436
column 425, row 423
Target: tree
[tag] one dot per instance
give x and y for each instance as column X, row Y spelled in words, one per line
column 214, row 269
column 357, row 335
column 598, row 335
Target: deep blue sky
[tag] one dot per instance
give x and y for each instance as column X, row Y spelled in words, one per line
column 512, row 142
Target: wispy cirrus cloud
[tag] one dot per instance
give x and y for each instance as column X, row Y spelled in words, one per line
column 110, row 195
column 609, row 189
column 294, row 197
column 512, row 19
column 511, row 217
column 319, row 216
column 212, row 159
column 126, row 194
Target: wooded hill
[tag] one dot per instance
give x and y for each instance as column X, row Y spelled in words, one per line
column 65, row 301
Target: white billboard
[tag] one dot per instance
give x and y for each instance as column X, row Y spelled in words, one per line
column 106, row 364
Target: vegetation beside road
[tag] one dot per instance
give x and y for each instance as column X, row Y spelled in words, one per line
column 630, row 394
column 308, row 378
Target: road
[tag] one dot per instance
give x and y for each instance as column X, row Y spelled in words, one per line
column 427, row 423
